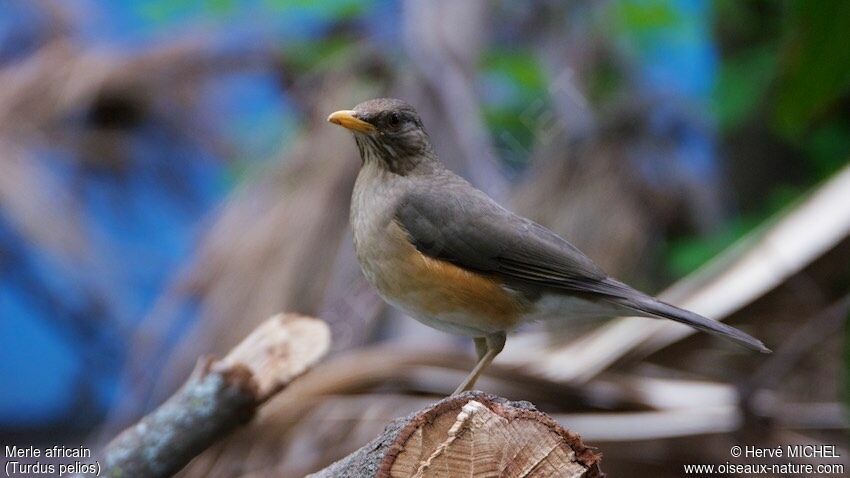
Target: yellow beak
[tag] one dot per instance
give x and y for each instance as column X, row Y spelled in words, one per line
column 346, row 119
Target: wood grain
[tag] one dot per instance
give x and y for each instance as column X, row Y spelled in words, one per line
column 471, row 435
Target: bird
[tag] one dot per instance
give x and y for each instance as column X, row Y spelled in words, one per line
column 452, row 258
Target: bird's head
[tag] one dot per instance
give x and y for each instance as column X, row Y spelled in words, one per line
column 389, row 132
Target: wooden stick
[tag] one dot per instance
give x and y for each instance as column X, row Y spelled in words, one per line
column 218, row 397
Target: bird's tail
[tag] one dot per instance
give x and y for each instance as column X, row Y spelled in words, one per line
column 653, row 307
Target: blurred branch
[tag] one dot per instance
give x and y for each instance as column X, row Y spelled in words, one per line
column 436, row 371
column 698, row 420
column 812, row 333
column 219, row 397
column 63, row 82
column 474, row 434
column 40, row 208
column 807, row 337
column 287, row 221
column 444, row 40
column 61, row 78
column 570, row 63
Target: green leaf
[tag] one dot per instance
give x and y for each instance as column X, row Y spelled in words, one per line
column 646, row 15
column 828, row 148
column 687, row 254
column 522, row 108
column 817, row 64
column 742, row 84
column 323, row 54
column 521, row 67
column 340, row 9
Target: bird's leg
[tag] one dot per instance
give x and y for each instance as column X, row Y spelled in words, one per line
column 487, row 347
column 480, row 347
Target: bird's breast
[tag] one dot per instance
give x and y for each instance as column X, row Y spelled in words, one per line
column 433, row 291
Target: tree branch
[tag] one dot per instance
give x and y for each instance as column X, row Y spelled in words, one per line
column 218, row 397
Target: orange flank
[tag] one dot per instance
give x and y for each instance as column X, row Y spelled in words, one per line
column 442, row 290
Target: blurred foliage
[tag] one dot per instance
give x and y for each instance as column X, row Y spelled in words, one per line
column 518, row 85
column 787, row 62
column 330, row 8
column 166, row 11
column 686, row 254
column 792, row 53
column 645, row 19
column 324, row 54
column 742, row 84
column 816, row 70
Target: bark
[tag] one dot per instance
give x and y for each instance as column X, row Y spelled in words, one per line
column 219, row 397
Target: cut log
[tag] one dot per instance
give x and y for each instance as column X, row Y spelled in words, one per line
column 471, row 435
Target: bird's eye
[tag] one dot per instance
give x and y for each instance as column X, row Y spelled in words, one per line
column 394, row 120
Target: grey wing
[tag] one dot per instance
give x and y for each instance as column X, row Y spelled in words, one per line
column 461, row 225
